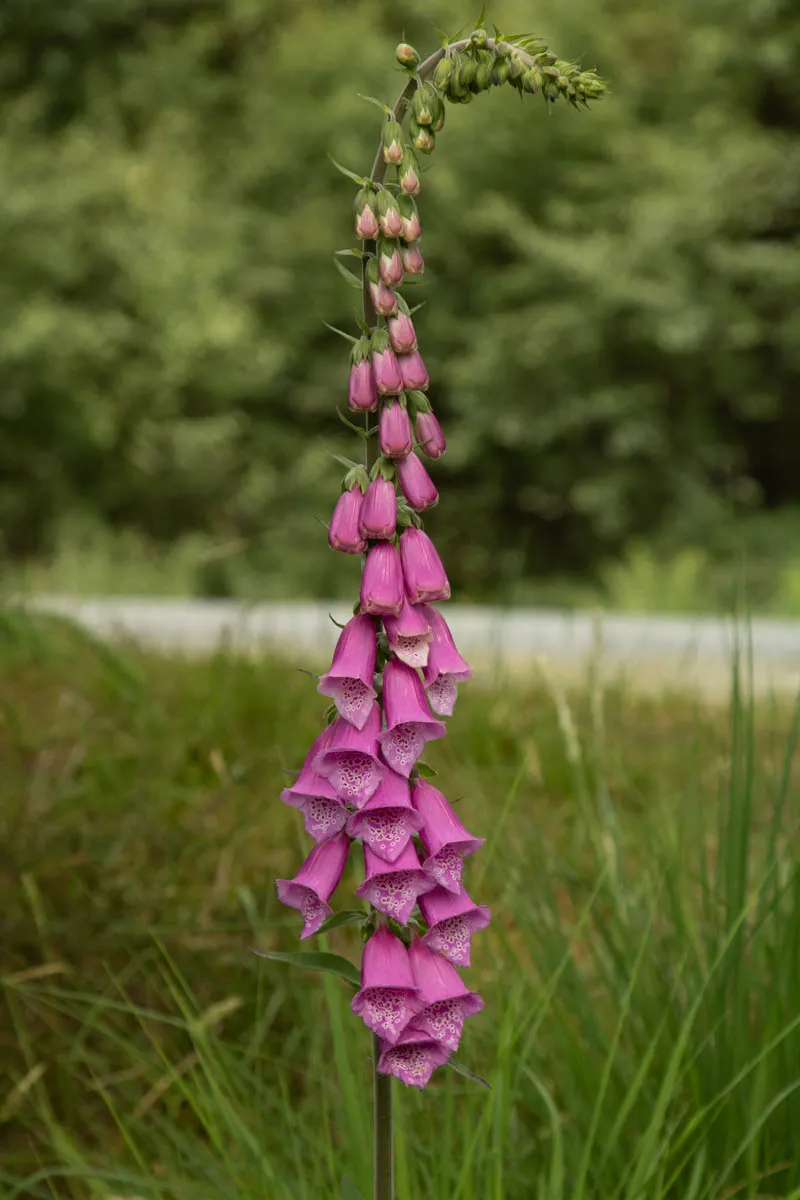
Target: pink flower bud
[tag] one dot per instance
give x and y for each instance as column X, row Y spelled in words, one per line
column 424, row 574
column 394, row 431
column 385, row 366
column 379, row 512
column 383, row 299
column 392, row 142
column 390, row 264
column 344, row 531
column 411, row 260
column 365, row 215
column 409, row 175
column 389, row 219
column 429, row 435
column 382, row 582
column 417, row 485
column 412, row 372
column 412, row 229
column 401, row 333
column 362, row 393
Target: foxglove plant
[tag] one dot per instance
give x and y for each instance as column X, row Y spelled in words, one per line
column 396, row 668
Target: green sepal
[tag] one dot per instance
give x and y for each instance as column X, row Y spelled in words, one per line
column 418, row 402
column 334, row 964
column 329, row 716
column 386, row 201
column 443, row 74
column 479, row 38
column 361, row 180
column 378, row 103
column 364, row 195
column 392, row 133
column 360, row 351
column 483, row 78
column 468, row 69
column 379, row 341
column 373, row 271
column 348, row 337
column 356, row 477
column 425, row 770
column 384, row 467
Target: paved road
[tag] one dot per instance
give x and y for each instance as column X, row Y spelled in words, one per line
column 649, row 650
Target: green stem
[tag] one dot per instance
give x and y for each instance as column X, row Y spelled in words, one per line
column 383, row 1130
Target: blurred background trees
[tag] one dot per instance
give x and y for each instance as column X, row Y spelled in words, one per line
column 612, row 326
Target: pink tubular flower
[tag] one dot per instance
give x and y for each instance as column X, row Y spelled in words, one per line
column 379, row 513
column 412, row 1059
column 411, row 260
column 349, row 680
column 344, row 531
column 422, row 568
column 383, row 298
column 323, row 812
column 350, row 759
column 401, row 333
column 394, row 430
column 429, row 435
column 412, row 370
column 382, row 582
column 315, row 882
column 362, row 394
column 447, row 841
column 445, row 667
column 452, row 920
column 418, row 487
column 448, row 1002
column 388, row 998
column 385, row 366
column 393, row 888
column 390, row 264
column 387, row 821
column 409, row 724
column 409, row 634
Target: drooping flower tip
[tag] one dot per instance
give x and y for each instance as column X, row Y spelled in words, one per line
column 452, row 919
column 402, row 333
column 362, row 395
column 409, row 722
column 385, row 365
column 413, row 374
column 425, row 577
column 445, row 668
column 382, row 581
column 394, row 430
column 315, row 882
column 418, row 487
column 344, row 531
column 412, row 1059
column 447, row 841
column 430, row 438
column 349, row 681
column 411, row 260
column 409, row 634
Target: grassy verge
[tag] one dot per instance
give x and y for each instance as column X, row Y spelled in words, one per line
column 642, row 975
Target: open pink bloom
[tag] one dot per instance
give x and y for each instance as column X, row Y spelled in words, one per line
column 448, row 1002
column 390, row 264
column 422, row 568
column 362, row 393
column 445, row 668
column 401, row 333
column 447, row 841
column 409, row 634
column 388, row 379
column 393, row 888
column 379, row 512
column 413, row 372
column 383, row 298
column 323, row 812
column 409, row 724
column 344, row 531
column 388, row 998
column 348, row 682
column 315, row 882
column 387, row 821
column 429, row 435
column 394, row 430
column 452, row 920
column 418, row 487
column 350, row 759
column 412, row 1059
column 382, row 582
column 411, row 260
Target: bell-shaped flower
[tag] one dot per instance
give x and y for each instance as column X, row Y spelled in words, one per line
column 388, row 998
column 344, row 531
column 362, row 395
column 393, row 888
column 350, row 759
column 430, row 438
column 423, row 572
column 412, row 1059
column 409, row 634
column 452, row 920
column 389, row 219
column 385, row 366
column 402, row 333
column 447, row 841
column 387, row 821
column 445, row 668
column 448, row 1001
column 384, row 301
column 324, row 814
column 348, row 682
column 315, row 882
column 413, row 372
column 411, row 260
column 390, row 264
column 394, row 429
column 409, row 724
column 418, row 487
column 379, row 511
column 382, row 581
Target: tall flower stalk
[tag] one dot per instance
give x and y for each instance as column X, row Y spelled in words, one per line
column 396, row 668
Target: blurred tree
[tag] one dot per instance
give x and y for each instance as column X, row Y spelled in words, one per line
column 613, row 331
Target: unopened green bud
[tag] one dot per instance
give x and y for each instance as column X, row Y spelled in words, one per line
column 443, row 74
column 392, row 142
column 516, row 69
column 421, row 105
column 468, row 71
column 406, row 55
column 438, row 121
column 530, row 80
column 483, row 78
column 562, row 83
column 500, row 72
column 479, row 38
column 422, row 138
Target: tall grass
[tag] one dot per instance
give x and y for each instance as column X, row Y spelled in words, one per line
column 642, row 975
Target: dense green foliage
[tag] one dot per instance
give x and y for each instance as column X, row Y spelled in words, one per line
column 641, row 972
column 612, row 327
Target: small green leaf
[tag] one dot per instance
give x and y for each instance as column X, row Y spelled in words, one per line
column 349, row 916
column 378, row 103
column 334, row 964
column 352, row 279
column 350, row 253
column 359, row 179
column 332, row 618
column 362, row 433
column 426, row 771
column 349, row 1191
column 417, row 307
column 460, row 1069
column 347, row 336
